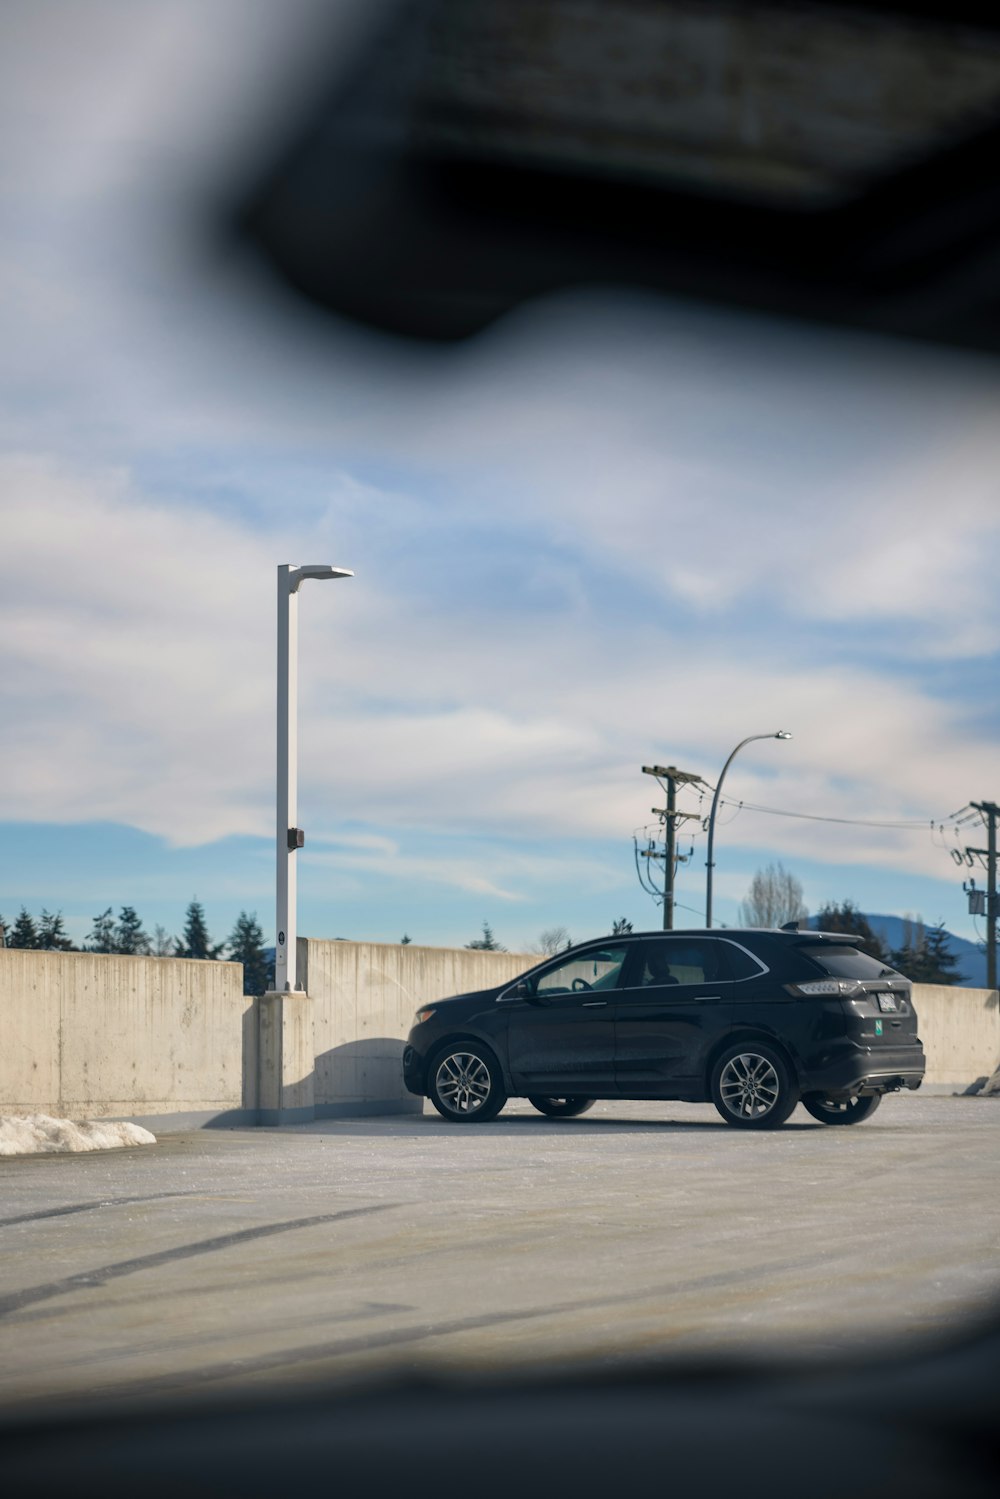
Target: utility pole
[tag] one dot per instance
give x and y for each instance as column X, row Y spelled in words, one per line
column 990, row 812
column 671, row 817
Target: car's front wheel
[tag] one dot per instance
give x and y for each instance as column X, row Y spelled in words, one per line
column 464, row 1083
column 752, row 1086
column 841, row 1110
column 560, row 1108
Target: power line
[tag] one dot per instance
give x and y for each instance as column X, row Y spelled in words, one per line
column 858, row 822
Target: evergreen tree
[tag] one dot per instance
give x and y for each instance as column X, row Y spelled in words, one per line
column 910, row 957
column 405, row 940
column 487, row 942
column 52, row 934
column 246, row 946
column 196, row 943
column 942, row 960
column 3, row 932
column 23, row 933
column 102, row 936
column 620, row 927
column 924, row 956
column 129, row 936
column 846, row 917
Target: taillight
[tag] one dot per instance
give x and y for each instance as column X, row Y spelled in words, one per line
column 835, row 988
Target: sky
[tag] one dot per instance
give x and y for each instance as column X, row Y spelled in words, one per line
column 614, row 530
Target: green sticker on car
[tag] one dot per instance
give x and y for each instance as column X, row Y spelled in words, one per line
column 878, row 1027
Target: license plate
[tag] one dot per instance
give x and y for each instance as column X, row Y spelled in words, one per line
column 886, row 1002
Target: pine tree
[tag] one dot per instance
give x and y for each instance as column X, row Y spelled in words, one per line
column 23, row 933
column 487, row 942
column 620, row 927
column 943, row 961
column 196, row 943
column 3, row 932
column 910, row 957
column 846, row 917
column 246, row 946
column 405, row 940
column 924, row 956
column 102, row 936
column 52, row 935
column 129, row 935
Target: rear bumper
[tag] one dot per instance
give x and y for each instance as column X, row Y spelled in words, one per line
column 868, row 1069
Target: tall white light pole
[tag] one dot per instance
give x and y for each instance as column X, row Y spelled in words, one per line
column 781, row 734
column 289, row 836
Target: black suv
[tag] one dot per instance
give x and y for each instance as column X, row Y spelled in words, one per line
column 754, row 1021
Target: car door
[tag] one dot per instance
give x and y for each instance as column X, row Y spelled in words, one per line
column 561, row 1029
column 676, row 1001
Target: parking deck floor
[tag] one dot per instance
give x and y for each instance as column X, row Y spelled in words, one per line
column 246, row 1258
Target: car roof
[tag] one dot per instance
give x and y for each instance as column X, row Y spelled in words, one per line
column 733, row 933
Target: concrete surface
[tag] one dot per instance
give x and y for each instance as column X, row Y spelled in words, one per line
column 364, row 996
column 960, row 1029
column 99, row 1036
column 248, row 1258
column 174, row 1044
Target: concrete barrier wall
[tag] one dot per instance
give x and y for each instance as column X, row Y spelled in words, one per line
column 93, row 1035
column 174, row 1042
column 364, row 995
column 960, row 1029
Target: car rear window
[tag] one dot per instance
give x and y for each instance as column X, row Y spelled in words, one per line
column 844, row 962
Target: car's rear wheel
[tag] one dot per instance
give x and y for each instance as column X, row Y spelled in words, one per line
column 560, row 1108
column 465, row 1084
column 752, row 1086
column 841, row 1110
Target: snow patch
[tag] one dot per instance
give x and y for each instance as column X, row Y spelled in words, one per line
column 39, row 1134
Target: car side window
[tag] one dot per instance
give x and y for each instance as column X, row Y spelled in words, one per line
column 742, row 964
column 600, row 968
column 668, row 961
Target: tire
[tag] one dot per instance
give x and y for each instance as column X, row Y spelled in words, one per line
column 560, row 1108
column 465, row 1084
column 843, row 1110
column 753, row 1087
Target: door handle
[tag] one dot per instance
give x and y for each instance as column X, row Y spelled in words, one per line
column 594, row 1004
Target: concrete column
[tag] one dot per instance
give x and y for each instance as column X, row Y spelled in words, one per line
column 286, row 1092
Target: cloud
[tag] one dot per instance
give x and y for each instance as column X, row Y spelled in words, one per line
column 614, row 529
column 139, row 684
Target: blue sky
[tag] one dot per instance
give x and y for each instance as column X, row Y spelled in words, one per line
column 614, row 530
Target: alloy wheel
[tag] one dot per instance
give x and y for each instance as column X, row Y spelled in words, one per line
column 463, row 1082
column 749, row 1085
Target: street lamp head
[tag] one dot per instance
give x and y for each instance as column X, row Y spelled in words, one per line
column 782, row 734
column 315, row 570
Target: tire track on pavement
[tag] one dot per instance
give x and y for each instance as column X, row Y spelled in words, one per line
column 16, row 1300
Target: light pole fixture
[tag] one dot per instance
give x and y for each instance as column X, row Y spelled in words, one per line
column 290, row 837
column 781, row 734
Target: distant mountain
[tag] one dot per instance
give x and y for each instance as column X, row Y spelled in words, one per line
column 971, row 958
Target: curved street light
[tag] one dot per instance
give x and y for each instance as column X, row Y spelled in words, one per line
column 781, row 734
